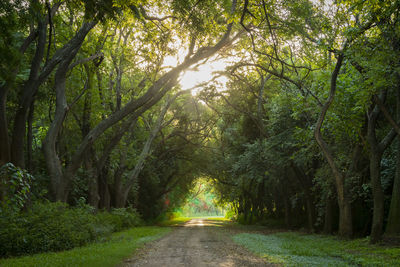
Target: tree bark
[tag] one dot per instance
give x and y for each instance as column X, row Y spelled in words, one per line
column 59, row 185
column 345, row 215
column 54, row 166
column 5, row 154
column 29, row 138
column 328, row 220
column 378, row 197
column 376, row 152
column 26, row 99
column 104, row 189
column 393, row 224
column 134, row 174
column 35, row 80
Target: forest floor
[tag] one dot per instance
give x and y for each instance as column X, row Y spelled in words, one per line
column 198, row 242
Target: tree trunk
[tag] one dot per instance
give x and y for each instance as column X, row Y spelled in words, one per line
column 378, row 197
column 375, row 155
column 345, row 215
column 104, row 190
column 345, row 218
column 28, row 92
column 59, row 180
column 328, row 221
column 5, row 154
column 94, row 197
column 310, row 211
column 393, row 224
column 287, row 212
column 120, row 198
column 54, row 166
column 134, row 174
column 29, row 138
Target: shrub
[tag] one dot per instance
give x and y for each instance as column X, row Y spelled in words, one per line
column 120, row 219
column 15, row 186
column 55, row 226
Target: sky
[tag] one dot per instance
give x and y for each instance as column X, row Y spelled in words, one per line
column 200, row 74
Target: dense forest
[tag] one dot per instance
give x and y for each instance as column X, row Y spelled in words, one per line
column 300, row 126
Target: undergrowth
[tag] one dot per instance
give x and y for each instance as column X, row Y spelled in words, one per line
column 109, row 253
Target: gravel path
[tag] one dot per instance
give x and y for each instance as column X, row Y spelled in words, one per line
column 198, row 243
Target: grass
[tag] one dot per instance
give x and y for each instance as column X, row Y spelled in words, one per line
column 110, row 253
column 296, row 249
column 218, row 218
column 175, row 221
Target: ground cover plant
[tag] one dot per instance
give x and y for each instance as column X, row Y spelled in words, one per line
column 299, row 249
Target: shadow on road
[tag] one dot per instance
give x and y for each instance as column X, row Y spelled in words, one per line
column 205, row 223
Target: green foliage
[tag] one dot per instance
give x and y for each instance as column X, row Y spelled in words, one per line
column 120, row 219
column 15, row 187
column 55, row 226
column 174, row 221
column 202, row 201
column 110, row 253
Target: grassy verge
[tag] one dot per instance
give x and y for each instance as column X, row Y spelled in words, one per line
column 295, row 249
column 175, row 221
column 218, row 218
column 110, row 253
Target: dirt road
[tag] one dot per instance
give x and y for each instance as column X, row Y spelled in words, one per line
column 198, row 243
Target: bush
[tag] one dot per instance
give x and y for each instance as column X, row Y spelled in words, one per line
column 120, row 219
column 15, row 186
column 55, row 226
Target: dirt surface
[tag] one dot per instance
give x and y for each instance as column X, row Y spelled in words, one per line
column 198, row 243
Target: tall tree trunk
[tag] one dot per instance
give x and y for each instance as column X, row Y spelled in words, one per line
column 328, row 220
column 306, row 184
column 376, row 152
column 288, row 214
column 54, row 166
column 393, row 224
column 310, row 211
column 59, row 180
column 134, row 174
column 345, row 215
column 104, row 189
column 28, row 92
column 5, row 154
column 93, row 177
column 29, row 138
column 377, row 194
column 36, row 79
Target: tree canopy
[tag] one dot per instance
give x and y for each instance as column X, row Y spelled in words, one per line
column 301, row 127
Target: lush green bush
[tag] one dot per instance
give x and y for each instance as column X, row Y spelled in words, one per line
column 15, row 187
column 120, row 219
column 55, row 226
